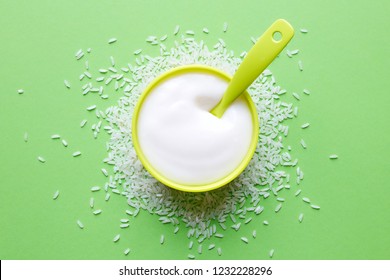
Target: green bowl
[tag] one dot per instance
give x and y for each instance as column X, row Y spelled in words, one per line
column 204, row 187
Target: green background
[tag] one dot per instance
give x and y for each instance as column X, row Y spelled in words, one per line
column 346, row 67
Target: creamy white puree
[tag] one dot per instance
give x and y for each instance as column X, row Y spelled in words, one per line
column 182, row 140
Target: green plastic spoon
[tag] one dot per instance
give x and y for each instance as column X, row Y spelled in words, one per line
column 266, row 49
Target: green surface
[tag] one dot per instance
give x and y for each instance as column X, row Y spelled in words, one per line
column 346, row 67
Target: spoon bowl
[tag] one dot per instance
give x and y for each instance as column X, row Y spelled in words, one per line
column 160, row 177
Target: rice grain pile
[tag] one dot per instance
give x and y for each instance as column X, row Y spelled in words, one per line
column 205, row 215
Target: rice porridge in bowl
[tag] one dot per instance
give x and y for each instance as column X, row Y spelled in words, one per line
column 180, row 142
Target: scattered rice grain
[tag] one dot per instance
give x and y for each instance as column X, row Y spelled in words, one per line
column 300, row 65
column 116, row 238
column 56, row 194
column 162, row 238
column 67, row 84
column 225, row 27
column 41, row 159
column 219, row 251
column 64, row 143
column 244, row 239
column 80, row 224
column 177, row 28
column 76, row 154
column 90, row 108
column 296, row 95
column 303, row 144
column 104, row 171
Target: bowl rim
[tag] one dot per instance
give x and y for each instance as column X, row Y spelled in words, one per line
column 191, row 68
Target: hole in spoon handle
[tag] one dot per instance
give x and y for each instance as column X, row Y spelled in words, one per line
column 282, row 32
column 277, row 36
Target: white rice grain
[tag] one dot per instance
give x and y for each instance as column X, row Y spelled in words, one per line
column 80, row 224
column 104, row 171
column 176, row 30
column 83, row 123
column 116, row 238
column 64, row 142
column 303, row 143
column 225, row 27
column 296, row 95
column 67, row 84
column 76, row 154
column 91, row 108
column 219, row 251
column 300, row 65
column 56, row 194
column 41, row 159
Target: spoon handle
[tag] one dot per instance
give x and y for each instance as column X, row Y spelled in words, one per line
column 255, row 62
